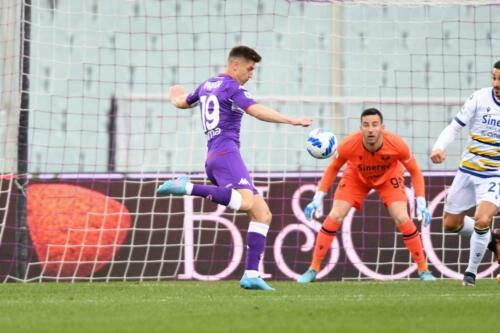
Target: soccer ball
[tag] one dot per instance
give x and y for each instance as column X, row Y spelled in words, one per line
column 321, row 143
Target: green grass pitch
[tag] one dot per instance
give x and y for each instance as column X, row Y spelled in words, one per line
column 175, row 306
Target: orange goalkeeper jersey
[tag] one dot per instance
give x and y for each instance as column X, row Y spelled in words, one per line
column 374, row 168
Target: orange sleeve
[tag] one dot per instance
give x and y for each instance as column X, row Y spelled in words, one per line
column 332, row 170
column 417, row 178
column 410, row 163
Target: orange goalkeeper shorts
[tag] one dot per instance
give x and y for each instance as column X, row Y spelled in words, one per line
column 353, row 190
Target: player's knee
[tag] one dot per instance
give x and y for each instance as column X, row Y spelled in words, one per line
column 260, row 214
column 452, row 223
column 451, row 226
column 399, row 215
column 400, row 219
column 337, row 216
column 267, row 217
column 482, row 221
column 263, row 214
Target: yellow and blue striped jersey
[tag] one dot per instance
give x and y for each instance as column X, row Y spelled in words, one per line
column 481, row 112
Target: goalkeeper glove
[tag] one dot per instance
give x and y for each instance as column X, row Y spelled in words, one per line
column 316, row 206
column 423, row 213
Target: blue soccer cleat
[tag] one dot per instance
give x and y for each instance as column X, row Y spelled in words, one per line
column 255, row 283
column 426, row 276
column 175, row 186
column 308, row 276
column 469, row 279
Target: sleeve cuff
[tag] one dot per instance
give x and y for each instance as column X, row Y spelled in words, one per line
column 461, row 123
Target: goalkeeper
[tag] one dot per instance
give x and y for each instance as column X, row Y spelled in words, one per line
column 374, row 161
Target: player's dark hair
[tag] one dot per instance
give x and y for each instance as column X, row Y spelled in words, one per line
column 497, row 65
column 245, row 52
column 372, row 112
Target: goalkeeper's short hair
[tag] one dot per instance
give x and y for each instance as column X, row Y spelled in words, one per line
column 372, row 112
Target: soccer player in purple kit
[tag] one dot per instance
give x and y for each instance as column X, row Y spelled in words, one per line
column 223, row 100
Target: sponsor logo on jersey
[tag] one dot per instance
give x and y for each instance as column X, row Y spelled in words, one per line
column 372, row 168
column 487, row 119
column 212, row 133
column 243, row 181
column 212, row 85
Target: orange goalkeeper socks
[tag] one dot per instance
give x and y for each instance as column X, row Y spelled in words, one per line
column 412, row 240
column 323, row 241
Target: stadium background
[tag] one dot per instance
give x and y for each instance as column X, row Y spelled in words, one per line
column 101, row 133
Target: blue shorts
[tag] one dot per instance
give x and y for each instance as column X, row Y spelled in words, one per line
column 227, row 169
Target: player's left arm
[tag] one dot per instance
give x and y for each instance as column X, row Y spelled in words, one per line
column 244, row 100
column 417, row 179
column 447, row 136
column 450, row 132
column 265, row 113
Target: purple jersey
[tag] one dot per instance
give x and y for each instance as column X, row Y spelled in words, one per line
column 222, row 103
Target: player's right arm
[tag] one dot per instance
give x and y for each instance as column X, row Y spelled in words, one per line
column 179, row 97
column 329, row 175
column 450, row 132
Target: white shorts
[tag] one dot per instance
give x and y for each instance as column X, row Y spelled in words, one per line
column 467, row 191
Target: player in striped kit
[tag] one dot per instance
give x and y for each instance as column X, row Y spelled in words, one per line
column 477, row 182
column 223, row 101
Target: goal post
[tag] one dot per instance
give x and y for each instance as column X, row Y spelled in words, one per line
column 102, row 134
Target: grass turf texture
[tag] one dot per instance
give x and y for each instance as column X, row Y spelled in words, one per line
column 406, row 306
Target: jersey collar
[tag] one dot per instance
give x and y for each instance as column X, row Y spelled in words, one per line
column 372, row 152
column 497, row 102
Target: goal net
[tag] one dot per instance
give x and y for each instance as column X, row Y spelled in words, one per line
column 87, row 132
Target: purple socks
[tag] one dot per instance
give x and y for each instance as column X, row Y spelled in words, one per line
column 221, row 195
column 256, row 241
